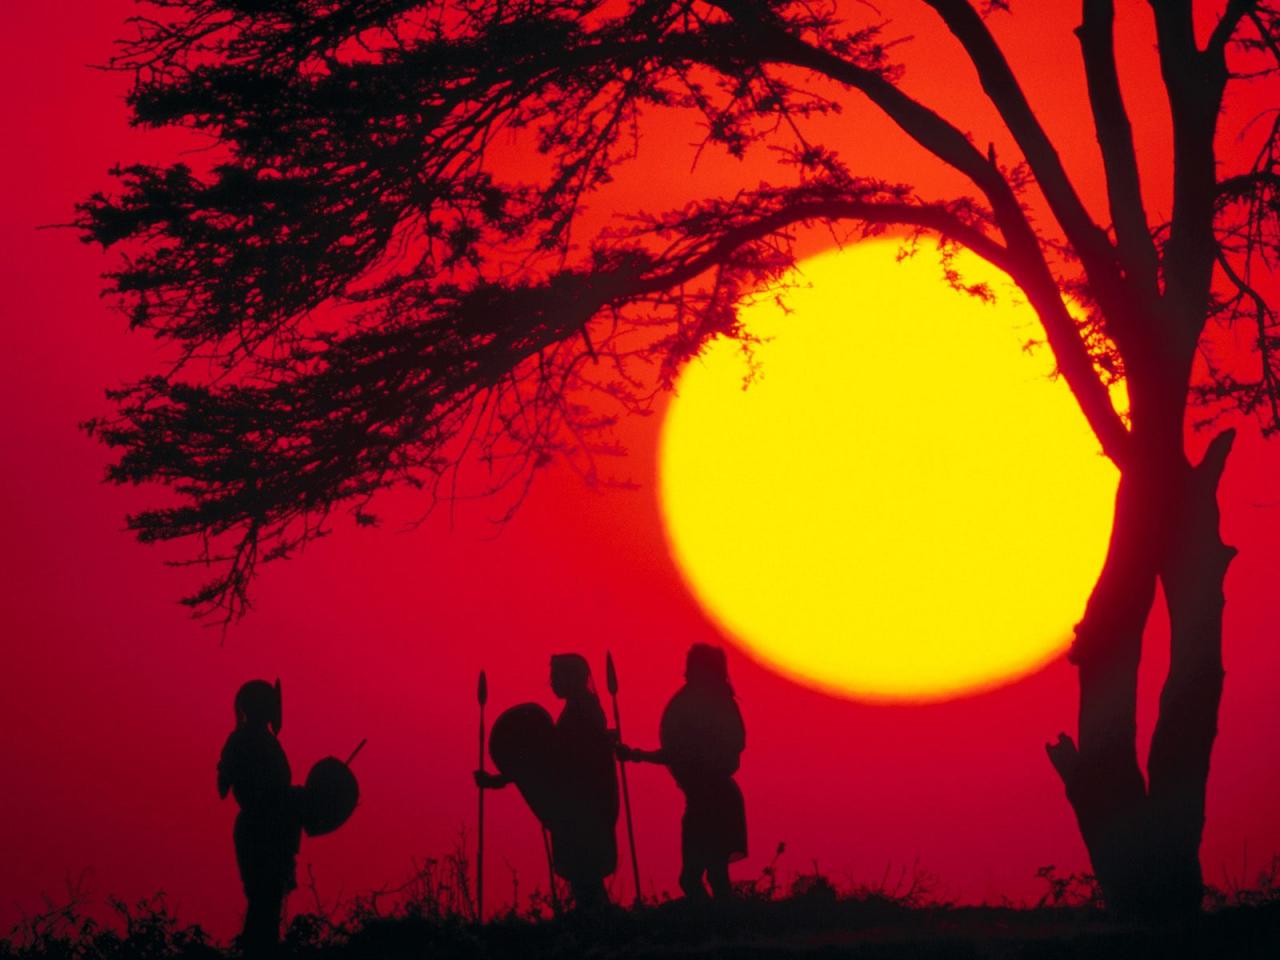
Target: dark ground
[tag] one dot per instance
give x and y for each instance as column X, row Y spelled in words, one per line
column 819, row 924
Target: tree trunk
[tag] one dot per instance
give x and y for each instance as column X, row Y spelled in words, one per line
column 1143, row 835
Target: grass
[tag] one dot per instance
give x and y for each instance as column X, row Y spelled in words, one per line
column 807, row 917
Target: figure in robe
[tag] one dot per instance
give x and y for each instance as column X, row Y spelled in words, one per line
column 702, row 737
column 572, row 784
column 254, row 769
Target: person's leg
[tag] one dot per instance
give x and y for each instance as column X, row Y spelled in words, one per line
column 252, row 923
column 691, row 882
column 691, row 866
column 265, row 888
column 253, row 943
column 718, row 878
column 261, row 933
column 588, row 895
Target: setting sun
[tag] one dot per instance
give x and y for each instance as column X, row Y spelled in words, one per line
column 901, row 503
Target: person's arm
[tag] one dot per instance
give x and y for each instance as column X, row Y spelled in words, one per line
column 636, row 755
column 490, row 781
column 224, row 772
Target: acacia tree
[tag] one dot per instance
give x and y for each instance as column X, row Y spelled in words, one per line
column 369, row 284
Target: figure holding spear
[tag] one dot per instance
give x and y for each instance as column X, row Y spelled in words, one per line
column 565, row 770
column 611, row 681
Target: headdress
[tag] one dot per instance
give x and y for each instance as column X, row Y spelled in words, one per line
column 260, row 702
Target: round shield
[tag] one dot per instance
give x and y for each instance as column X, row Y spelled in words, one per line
column 329, row 797
column 522, row 744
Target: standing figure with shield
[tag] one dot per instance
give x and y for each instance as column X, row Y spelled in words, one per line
column 268, row 831
column 702, row 737
column 273, row 813
column 567, row 774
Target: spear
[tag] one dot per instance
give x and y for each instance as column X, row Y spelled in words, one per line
column 482, row 696
column 611, row 680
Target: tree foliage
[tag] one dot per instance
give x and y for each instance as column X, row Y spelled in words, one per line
column 389, row 263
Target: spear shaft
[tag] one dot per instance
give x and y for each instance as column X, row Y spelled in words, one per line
column 482, row 696
column 551, row 871
column 611, row 678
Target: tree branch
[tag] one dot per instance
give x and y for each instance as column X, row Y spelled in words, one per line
column 932, row 217
column 1242, row 185
column 1029, row 268
column 264, row 463
column 1002, row 88
column 1115, row 138
column 1194, row 84
column 929, row 129
column 1236, row 11
column 354, row 143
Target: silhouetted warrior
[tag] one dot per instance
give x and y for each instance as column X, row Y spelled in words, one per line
column 254, row 769
column 583, row 812
column 702, row 738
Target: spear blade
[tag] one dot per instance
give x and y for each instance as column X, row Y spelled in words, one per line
column 356, row 751
column 610, row 674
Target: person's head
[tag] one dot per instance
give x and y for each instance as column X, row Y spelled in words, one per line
column 259, row 704
column 570, row 675
column 706, row 665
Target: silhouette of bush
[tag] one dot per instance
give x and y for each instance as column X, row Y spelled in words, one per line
column 766, row 885
column 147, row 930
column 1263, row 891
column 430, row 915
column 814, row 887
column 1069, row 889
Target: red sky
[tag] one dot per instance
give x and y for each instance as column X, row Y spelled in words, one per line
column 115, row 704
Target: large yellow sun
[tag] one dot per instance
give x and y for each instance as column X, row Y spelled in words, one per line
column 901, row 503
